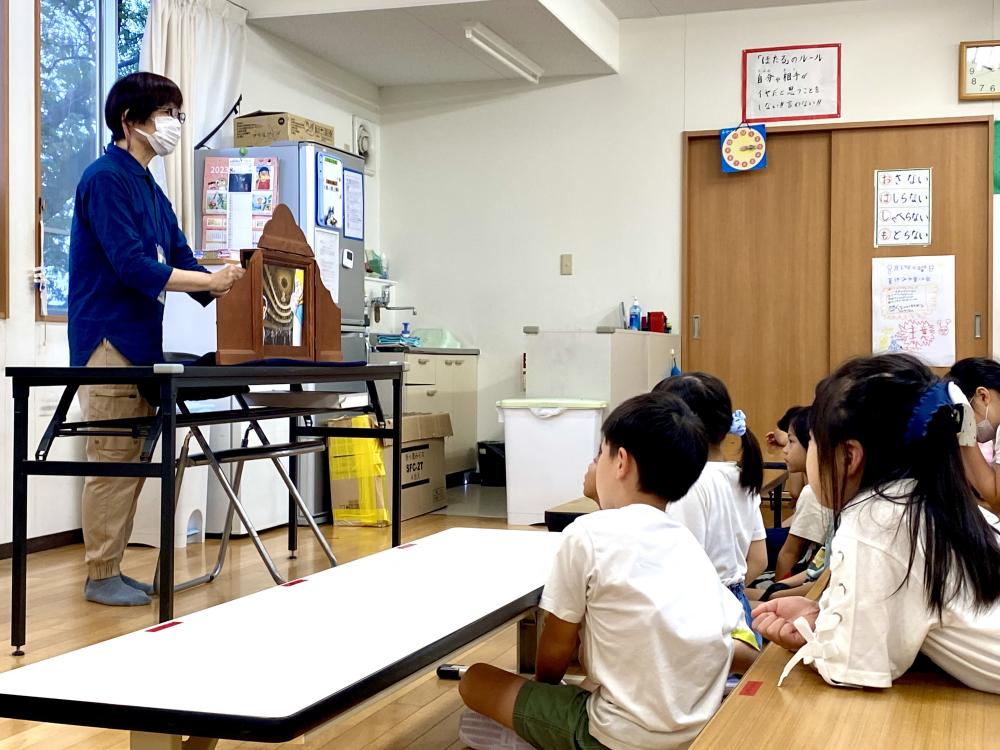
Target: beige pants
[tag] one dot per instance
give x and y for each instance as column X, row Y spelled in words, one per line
column 109, row 502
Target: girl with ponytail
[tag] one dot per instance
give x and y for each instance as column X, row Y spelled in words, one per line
column 915, row 565
column 722, row 509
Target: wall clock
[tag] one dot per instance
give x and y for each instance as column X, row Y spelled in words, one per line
column 979, row 70
column 743, row 148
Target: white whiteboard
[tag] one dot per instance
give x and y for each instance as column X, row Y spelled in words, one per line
column 902, row 207
column 791, row 83
column 913, row 307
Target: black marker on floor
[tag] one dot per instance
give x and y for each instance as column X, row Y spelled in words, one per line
column 451, row 671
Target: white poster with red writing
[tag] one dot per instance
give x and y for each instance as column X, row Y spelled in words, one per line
column 913, row 307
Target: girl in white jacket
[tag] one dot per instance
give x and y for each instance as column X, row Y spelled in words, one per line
column 915, row 564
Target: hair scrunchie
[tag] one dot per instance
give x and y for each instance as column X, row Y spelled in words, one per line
column 739, row 425
column 931, row 401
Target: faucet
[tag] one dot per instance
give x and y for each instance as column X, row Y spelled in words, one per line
column 379, row 305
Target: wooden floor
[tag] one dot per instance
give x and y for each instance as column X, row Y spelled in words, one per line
column 421, row 713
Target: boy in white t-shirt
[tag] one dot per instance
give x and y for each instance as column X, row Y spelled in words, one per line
column 636, row 592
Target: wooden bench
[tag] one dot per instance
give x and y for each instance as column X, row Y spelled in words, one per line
column 925, row 709
column 236, row 671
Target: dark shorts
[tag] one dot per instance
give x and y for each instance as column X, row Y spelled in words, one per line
column 554, row 717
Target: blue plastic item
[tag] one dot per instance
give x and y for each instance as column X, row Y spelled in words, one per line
column 634, row 315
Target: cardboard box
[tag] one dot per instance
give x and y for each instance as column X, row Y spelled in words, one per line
column 264, row 128
column 423, row 467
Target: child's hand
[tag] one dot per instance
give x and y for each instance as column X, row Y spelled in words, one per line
column 774, row 620
column 775, row 439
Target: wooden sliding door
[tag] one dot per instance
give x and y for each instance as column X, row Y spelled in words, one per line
column 777, row 263
column 959, row 157
column 757, row 273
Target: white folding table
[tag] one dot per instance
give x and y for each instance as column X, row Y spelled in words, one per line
column 236, row 671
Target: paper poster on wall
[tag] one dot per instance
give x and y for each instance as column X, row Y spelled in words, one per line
column 354, row 205
column 902, row 207
column 329, row 191
column 238, row 198
column 327, row 251
column 913, row 307
column 791, row 83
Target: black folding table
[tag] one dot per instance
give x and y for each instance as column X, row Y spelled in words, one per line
column 175, row 383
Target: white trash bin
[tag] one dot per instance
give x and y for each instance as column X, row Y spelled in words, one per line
column 189, row 521
column 549, row 443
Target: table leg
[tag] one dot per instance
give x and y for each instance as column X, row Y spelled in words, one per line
column 776, row 494
column 293, row 511
column 168, row 413
column 529, row 628
column 397, row 461
column 151, row 741
column 19, row 568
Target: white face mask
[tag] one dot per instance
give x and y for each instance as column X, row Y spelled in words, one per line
column 166, row 137
column 985, row 431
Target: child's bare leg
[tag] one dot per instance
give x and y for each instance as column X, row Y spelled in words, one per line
column 491, row 692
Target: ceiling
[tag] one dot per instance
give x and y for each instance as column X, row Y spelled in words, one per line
column 652, row 8
column 426, row 44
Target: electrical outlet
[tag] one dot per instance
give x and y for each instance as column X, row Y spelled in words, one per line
column 566, row 264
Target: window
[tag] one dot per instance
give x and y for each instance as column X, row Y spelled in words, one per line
column 85, row 45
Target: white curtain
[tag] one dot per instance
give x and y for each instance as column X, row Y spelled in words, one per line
column 201, row 46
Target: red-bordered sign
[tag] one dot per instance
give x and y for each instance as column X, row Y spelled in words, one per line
column 796, row 82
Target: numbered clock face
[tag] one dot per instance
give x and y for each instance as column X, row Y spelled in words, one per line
column 743, row 148
column 980, row 73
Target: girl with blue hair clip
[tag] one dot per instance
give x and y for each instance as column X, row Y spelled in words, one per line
column 722, row 509
column 915, row 562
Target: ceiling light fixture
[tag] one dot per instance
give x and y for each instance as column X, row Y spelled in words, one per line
column 496, row 47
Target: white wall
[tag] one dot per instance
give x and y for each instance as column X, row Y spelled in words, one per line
column 484, row 187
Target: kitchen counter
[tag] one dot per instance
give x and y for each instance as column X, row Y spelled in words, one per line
column 428, row 350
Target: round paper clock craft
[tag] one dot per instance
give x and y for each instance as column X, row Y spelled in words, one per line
column 743, row 148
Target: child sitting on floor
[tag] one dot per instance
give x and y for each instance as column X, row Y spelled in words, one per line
column 722, row 509
column 812, row 523
column 915, row 564
column 637, row 592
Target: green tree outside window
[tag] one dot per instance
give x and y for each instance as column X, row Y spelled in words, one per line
column 76, row 72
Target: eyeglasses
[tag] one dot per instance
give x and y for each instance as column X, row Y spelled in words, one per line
column 175, row 113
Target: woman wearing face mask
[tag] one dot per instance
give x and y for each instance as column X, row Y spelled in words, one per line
column 979, row 379
column 126, row 252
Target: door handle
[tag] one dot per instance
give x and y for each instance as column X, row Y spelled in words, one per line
column 422, row 361
column 696, row 327
column 432, row 392
column 977, row 326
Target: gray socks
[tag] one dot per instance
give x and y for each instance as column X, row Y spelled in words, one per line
column 146, row 588
column 113, row 592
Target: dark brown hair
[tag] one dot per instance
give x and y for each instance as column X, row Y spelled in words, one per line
column 136, row 97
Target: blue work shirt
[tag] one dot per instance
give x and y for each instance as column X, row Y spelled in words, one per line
column 124, row 245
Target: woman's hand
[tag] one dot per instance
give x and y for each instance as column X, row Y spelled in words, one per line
column 774, row 620
column 222, row 280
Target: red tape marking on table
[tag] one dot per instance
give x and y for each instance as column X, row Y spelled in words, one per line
column 296, row 582
column 164, row 626
column 751, row 687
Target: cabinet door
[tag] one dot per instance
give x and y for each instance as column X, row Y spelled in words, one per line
column 462, row 378
column 422, row 369
column 424, row 399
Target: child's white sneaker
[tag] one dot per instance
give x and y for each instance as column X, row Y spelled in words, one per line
column 482, row 733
